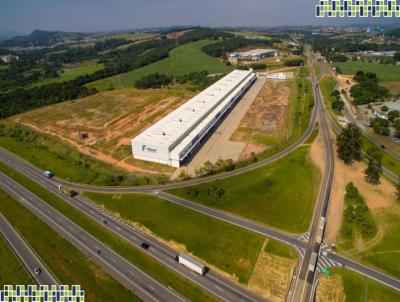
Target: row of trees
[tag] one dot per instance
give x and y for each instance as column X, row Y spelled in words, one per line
column 337, row 102
column 155, row 80
column 357, row 216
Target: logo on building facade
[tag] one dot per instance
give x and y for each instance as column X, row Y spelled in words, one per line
column 358, row 8
column 146, row 148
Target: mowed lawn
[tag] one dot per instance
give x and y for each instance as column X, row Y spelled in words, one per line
column 385, row 72
column 281, row 194
column 230, row 248
column 11, row 269
column 182, row 60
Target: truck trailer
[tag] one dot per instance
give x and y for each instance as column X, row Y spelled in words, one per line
column 320, row 231
column 192, row 264
column 313, row 262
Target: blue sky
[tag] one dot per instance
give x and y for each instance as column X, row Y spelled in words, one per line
column 96, row 15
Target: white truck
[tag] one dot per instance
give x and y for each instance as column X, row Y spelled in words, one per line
column 192, row 264
column 313, row 262
column 320, row 231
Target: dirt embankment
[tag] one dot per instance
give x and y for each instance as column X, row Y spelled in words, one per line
column 103, row 125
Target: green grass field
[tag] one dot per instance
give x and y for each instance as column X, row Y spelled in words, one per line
column 11, row 269
column 203, row 236
column 281, row 194
column 71, row 73
column 123, row 248
column 386, row 254
column 359, row 289
column 182, row 60
column 385, row 72
column 68, row 263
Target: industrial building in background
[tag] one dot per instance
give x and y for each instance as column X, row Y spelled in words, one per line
column 254, row 54
column 176, row 138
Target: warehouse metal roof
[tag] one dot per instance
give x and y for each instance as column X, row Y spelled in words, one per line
column 254, row 52
column 171, row 130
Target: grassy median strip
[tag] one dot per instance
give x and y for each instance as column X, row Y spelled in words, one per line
column 68, row 263
column 281, row 194
column 11, row 269
column 123, row 248
column 230, row 248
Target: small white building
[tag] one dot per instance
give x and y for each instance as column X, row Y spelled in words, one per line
column 176, row 138
column 254, row 54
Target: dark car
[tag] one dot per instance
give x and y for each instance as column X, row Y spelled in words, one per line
column 37, row 271
column 145, row 245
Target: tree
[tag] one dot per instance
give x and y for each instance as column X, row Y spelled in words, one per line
column 349, row 144
column 398, row 191
column 393, row 114
column 374, row 170
column 396, row 57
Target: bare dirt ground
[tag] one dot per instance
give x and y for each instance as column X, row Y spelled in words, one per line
column 110, row 120
column 377, row 197
column 264, row 122
column 271, row 276
column 220, row 144
column 330, row 289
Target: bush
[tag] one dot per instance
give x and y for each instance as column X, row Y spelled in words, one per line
column 154, row 80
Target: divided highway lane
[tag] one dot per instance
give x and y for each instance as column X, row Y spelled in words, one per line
column 30, row 171
column 131, row 277
column 212, row 282
column 26, row 255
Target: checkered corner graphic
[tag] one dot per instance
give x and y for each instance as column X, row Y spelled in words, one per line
column 357, row 8
column 42, row 293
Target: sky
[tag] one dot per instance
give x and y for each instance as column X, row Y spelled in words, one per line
column 24, row 16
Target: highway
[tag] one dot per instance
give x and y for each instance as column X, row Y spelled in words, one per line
column 304, row 284
column 212, row 282
column 131, row 277
column 26, row 255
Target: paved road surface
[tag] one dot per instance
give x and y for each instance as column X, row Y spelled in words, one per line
column 212, row 282
column 26, row 255
column 131, row 277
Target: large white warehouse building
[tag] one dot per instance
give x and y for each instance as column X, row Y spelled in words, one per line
column 175, row 139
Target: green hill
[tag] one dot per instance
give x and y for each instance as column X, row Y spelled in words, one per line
column 182, row 60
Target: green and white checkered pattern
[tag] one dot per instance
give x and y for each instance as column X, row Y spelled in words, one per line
column 358, row 8
column 42, row 293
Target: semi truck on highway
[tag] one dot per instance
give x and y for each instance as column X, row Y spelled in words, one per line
column 320, row 231
column 66, row 191
column 313, row 262
column 192, row 264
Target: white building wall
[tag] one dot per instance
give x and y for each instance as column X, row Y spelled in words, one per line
column 170, row 141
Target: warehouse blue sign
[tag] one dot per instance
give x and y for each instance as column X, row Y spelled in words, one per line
column 358, row 8
column 146, row 148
